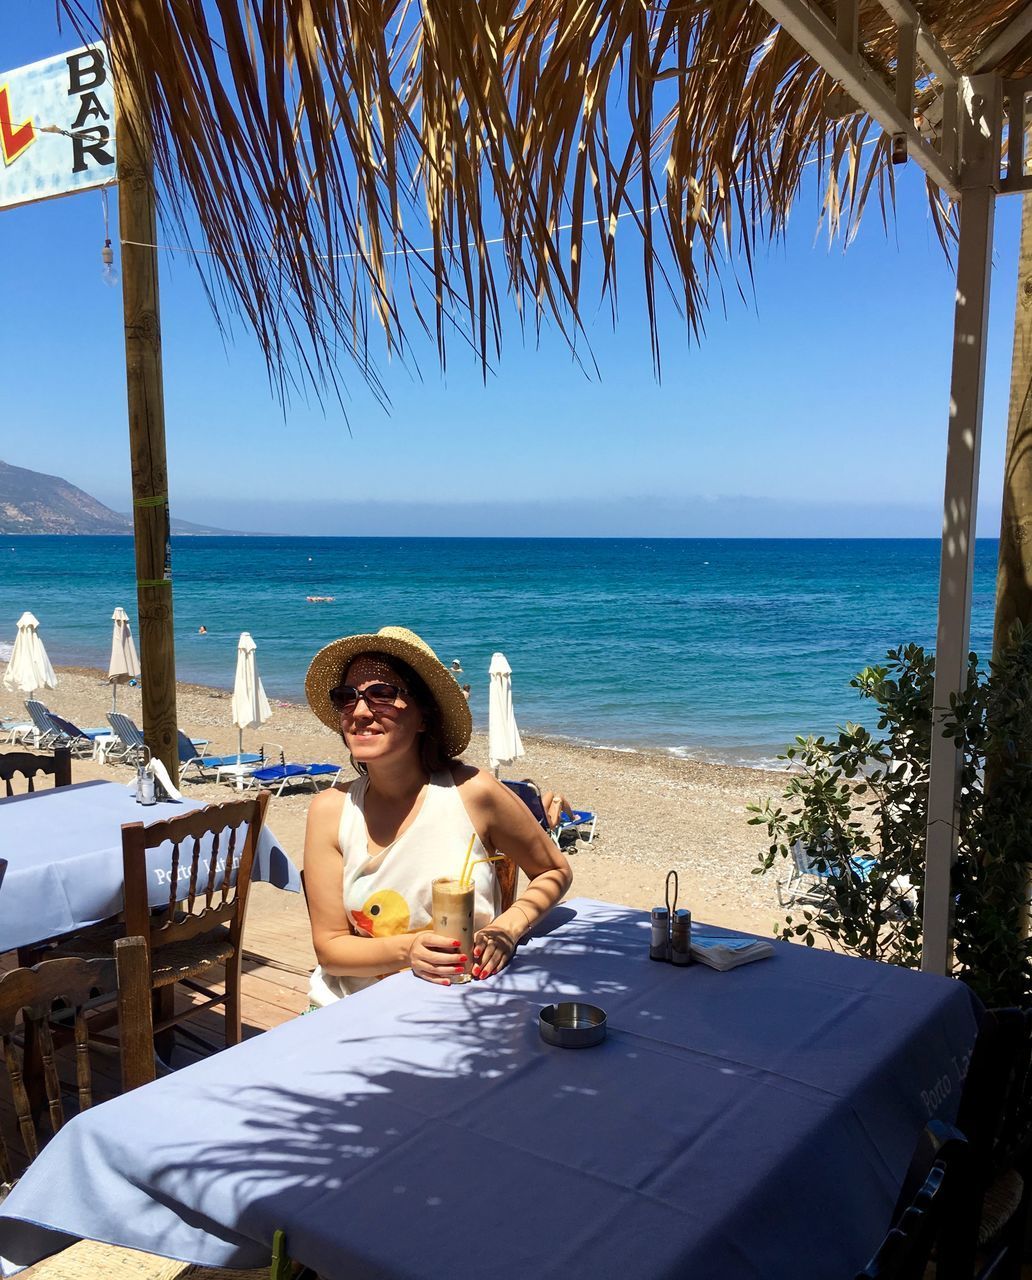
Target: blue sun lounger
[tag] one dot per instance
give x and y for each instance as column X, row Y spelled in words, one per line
column 190, row 756
column 79, row 741
column 276, row 776
column 570, row 823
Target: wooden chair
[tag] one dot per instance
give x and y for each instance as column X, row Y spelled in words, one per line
column 28, row 764
column 928, row 1194
column 202, row 923
column 986, row 1235
column 508, row 874
column 27, row 1000
column 29, row 1024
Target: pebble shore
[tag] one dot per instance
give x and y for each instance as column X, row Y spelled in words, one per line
column 655, row 811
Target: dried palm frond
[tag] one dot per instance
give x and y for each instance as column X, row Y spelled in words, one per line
column 360, row 162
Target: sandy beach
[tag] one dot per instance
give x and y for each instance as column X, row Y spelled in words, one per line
column 655, row 812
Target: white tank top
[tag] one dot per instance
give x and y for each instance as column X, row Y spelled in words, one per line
column 388, row 893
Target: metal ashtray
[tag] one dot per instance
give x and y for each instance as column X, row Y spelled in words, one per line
column 572, row 1025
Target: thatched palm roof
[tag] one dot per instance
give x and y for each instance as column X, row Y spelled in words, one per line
column 345, row 159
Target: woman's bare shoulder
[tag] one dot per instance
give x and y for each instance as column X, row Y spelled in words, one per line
column 478, row 786
column 469, row 776
column 329, row 803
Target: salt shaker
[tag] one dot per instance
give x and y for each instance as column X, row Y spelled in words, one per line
column 659, row 945
column 681, row 937
column 144, row 786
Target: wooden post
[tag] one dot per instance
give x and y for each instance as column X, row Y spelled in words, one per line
column 980, row 175
column 1014, row 573
column 146, row 401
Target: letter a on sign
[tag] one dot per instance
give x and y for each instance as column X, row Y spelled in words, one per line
column 57, row 131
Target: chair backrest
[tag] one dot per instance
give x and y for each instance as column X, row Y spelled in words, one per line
column 40, row 1004
column 40, row 717
column 938, row 1164
column 69, row 730
column 28, row 764
column 127, row 732
column 186, row 748
column 212, row 857
column 995, row 1113
column 530, row 795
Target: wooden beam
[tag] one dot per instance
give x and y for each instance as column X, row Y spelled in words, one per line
column 146, row 406
column 811, row 29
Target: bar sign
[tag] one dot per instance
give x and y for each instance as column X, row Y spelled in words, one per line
column 57, row 127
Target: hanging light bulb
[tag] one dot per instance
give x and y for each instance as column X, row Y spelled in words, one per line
column 109, row 275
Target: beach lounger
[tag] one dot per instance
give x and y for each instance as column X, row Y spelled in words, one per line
column 132, row 748
column 531, row 797
column 205, row 767
column 79, row 741
column 130, row 737
column 565, row 831
column 276, row 776
column 810, row 868
column 571, row 824
column 46, row 733
column 17, row 730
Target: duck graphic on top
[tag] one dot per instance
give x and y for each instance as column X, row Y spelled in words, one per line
column 384, row 915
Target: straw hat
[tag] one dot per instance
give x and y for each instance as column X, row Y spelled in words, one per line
column 397, row 642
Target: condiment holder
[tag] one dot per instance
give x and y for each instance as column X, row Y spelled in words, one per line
column 572, row 1024
column 671, row 929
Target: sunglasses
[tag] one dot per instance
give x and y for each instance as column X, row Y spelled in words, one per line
column 345, row 697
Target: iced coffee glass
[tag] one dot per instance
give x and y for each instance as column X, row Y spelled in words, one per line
column 453, row 917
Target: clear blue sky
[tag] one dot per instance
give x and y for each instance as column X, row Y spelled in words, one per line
column 817, row 408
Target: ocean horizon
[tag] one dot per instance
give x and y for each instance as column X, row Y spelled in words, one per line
column 713, row 648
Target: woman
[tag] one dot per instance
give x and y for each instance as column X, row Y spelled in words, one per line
column 373, row 846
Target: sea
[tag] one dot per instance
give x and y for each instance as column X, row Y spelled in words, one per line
column 718, row 649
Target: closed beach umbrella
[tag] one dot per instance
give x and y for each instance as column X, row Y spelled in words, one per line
column 250, row 705
column 503, row 737
column 29, row 667
column 124, row 665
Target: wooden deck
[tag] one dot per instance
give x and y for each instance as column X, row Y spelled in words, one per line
column 278, row 960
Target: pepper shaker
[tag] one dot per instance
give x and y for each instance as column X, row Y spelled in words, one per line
column 681, row 937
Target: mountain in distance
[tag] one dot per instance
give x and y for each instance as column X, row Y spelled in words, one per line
column 31, row 502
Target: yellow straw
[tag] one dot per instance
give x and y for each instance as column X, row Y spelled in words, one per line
column 494, row 857
column 465, row 861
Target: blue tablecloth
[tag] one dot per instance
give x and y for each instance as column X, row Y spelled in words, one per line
column 755, row 1123
column 64, row 858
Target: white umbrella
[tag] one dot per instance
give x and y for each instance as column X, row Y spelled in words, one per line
column 250, row 705
column 124, row 665
column 28, row 668
column 503, row 737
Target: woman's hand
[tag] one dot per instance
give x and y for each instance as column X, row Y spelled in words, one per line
column 435, row 958
column 493, row 949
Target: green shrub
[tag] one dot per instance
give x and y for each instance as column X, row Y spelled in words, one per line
column 858, row 804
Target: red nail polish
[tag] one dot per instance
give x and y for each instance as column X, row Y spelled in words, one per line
column 476, row 971
column 456, row 943
column 459, row 968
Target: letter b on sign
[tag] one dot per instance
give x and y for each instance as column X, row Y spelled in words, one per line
column 85, row 71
